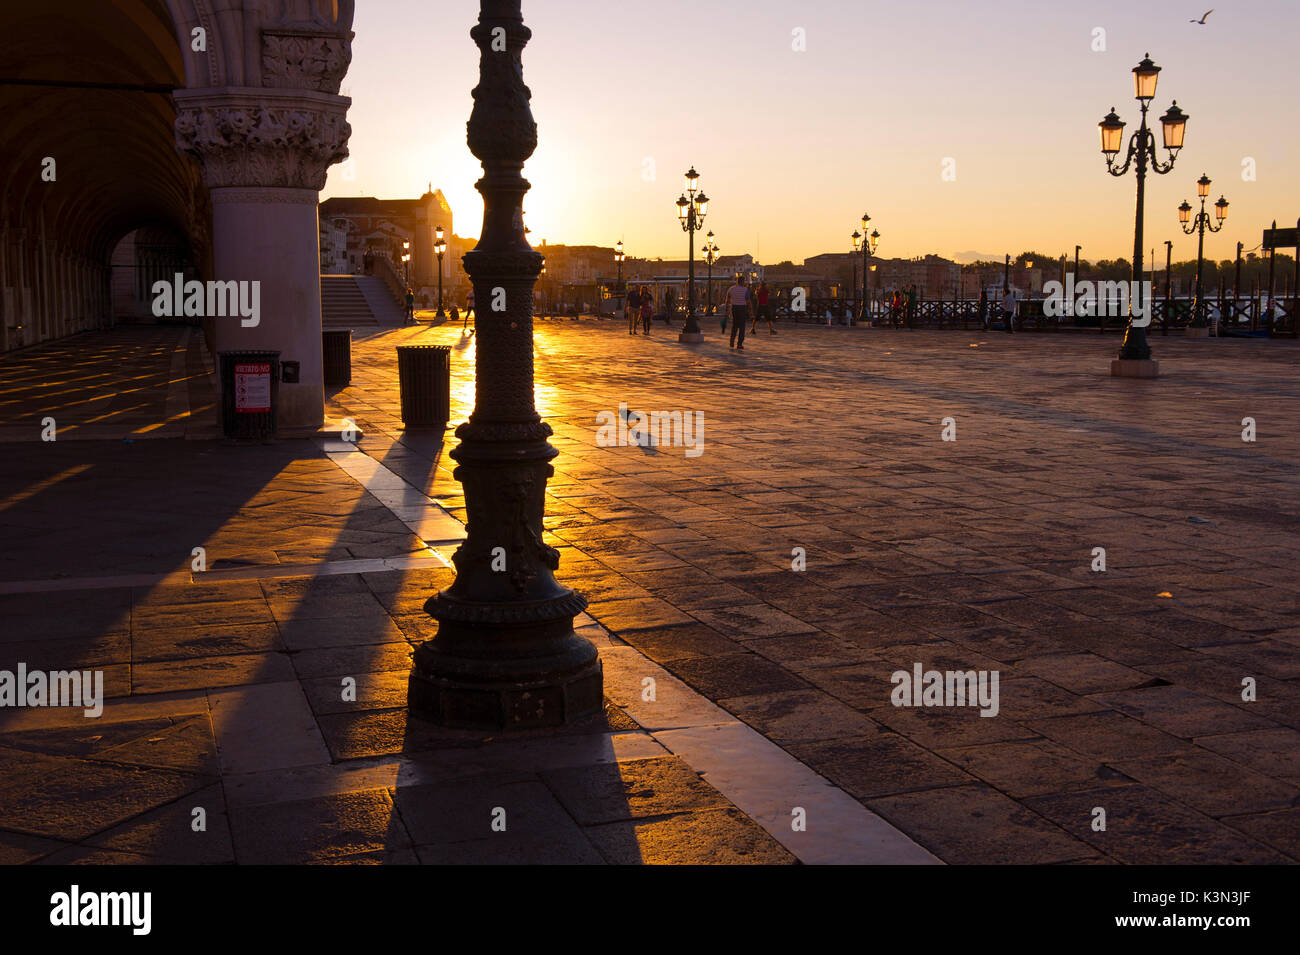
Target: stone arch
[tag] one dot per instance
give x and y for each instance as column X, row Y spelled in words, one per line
column 220, row 146
column 87, row 85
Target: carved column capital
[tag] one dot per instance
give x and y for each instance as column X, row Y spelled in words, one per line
column 258, row 137
column 305, row 59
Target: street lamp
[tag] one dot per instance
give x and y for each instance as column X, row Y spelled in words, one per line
column 691, row 210
column 1199, row 225
column 505, row 655
column 710, row 256
column 1142, row 148
column 406, row 261
column 866, row 244
column 439, row 247
column 618, row 257
column 857, row 243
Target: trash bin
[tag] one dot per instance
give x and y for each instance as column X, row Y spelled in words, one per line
column 336, row 354
column 250, row 393
column 424, row 380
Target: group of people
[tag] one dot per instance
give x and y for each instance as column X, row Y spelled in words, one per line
column 741, row 305
column 902, row 306
column 640, row 307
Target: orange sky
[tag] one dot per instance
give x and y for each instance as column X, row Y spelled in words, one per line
column 793, row 146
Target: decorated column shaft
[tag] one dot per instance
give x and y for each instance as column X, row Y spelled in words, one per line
column 505, row 655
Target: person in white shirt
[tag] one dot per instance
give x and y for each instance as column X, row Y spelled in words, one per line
column 1009, row 309
column 739, row 299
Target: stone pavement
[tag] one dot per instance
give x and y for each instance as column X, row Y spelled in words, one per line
column 264, row 695
column 1119, row 689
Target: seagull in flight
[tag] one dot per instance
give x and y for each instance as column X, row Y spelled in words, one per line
column 1202, row 20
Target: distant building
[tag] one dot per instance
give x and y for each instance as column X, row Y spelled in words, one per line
column 334, row 246
column 578, row 264
column 380, row 226
column 934, row 276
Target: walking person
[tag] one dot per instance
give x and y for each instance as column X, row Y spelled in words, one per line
column 910, row 305
column 469, row 307
column 670, row 306
column 739, row 299
column 633, row 309
column 647, row 307
column 896, row 308
column 764, row 310
column 410, row 307
column 1009, row 310
column 984, row 309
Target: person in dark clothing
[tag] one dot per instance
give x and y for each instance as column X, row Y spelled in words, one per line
column 647, row 307
column 670, row 305
column 633, row 309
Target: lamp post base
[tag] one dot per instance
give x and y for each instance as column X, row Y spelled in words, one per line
column 1134, row 368
column 507, row 694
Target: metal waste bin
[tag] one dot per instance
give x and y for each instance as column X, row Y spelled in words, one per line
column 250, row 393
column 336, row 355
column 424, row 380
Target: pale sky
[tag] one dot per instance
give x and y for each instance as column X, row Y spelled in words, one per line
column 792, row 147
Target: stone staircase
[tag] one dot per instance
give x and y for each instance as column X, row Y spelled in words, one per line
column 357, row 301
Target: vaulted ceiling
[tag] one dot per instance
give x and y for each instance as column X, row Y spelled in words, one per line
column 87, row 83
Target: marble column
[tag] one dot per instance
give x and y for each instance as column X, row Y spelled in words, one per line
column 264, row 154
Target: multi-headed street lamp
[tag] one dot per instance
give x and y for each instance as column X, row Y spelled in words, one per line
column 439, row 247
column 867, row 245
column 406, row 261
column 691, row 209
column 1200, row 224
column 1142, row 149
column 618, row 257
column 710, row 256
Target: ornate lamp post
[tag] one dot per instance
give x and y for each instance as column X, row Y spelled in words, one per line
column 618, row 257
column 1200, row 224
column 505, row 655
column 1142, row 149
column 869, row 243
column 406, row 261
column 439, row 247
column 691, row 209
column 710, row 256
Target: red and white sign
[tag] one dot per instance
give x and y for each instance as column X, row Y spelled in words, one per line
column 252, row 387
